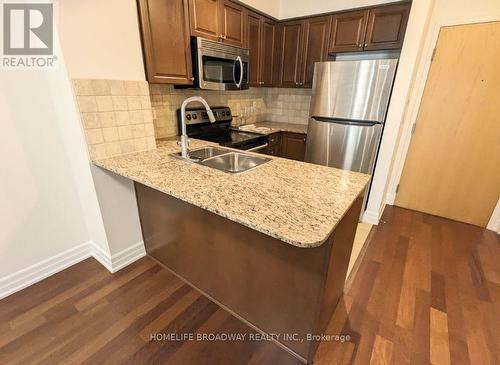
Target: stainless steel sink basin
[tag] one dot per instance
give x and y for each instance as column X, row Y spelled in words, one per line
column 204, row 153
column 224, row 159
column 234, row 162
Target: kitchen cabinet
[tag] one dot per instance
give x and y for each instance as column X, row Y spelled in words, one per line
column 291, row 54
column 254, row 45
column 348, row 31
column 304, row 43
column 219, row 20
column 293, row 146
column 367, row 30
column 274, row 145
column 165, row 41
column 386, row 27
column 315, row 46
column 262, row 40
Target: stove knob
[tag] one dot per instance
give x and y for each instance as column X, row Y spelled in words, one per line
column 195, row 116
column 188, row 117
column 204, row 115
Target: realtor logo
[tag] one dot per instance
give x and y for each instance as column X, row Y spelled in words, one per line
column 28, row 35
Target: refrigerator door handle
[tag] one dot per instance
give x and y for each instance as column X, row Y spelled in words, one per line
column 360, row 123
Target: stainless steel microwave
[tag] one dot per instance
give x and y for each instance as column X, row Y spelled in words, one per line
column 219, row 66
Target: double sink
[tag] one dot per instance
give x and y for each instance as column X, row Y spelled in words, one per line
column 225, row 160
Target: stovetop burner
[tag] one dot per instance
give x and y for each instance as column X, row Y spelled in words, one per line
column 198, row 126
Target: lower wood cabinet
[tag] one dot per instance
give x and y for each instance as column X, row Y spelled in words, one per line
column 165, row 41
column 293, row 146
column 274, row 145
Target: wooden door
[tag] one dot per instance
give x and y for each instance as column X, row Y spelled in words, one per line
column 293, row 146
column 386, row 27
column 291, row 53
column 232, row 23
column 268, row 42
column 254, row 45
column 316, row 36
column 452, row 167
column 205, row 18
column 348, row 31
column 165, row 39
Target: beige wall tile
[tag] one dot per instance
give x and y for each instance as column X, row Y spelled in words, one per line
column 127, row 146
column 100, row 87
column 122, row 118
column 94, row 136
column 83, row 87
column 87, row 104
column 110, row 134
column 136, row 117
column 138, row 131
column 117, row 87
column 120, row 102
column 132, row 88
column 104, row 103
column 134, row 102
column 108, row 119
column 113, row 148
column 125, row 132
column 91, row 120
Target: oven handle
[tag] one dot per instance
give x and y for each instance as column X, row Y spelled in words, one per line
column 238, row 84
column 258, row 148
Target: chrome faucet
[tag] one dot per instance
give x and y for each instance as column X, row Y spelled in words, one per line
column 184, row 136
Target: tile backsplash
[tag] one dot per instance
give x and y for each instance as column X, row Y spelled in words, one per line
column 116, row 116
column 288, row 105
column 128, row 116
column 250, row 106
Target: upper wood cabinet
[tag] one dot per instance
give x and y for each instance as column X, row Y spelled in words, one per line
column 348, row 31
column 374, row 29
column 165, row 41
column 291, row 53
column 386, row 27
column 315, row 46
column 262, row 41
column 205, row 18
column 219, row 20
column 254, row 45
column 303, row 43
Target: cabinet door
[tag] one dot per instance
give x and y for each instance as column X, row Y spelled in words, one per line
column 232, row 23
column 204, row 18
column 165, row 39
column 291, row 52
column 278, row 34
column 293, row 146
column 254, row 44
column 316, row 35
column 348, row 31
column 386, row 27
column 268, row 42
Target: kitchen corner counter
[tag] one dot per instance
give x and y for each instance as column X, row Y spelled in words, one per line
column 282, row 127
column 295, row 202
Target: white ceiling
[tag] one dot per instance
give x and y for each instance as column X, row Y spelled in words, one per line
column 283, row 9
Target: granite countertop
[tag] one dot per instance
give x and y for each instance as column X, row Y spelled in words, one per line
column 296, row 202
column 280, row 127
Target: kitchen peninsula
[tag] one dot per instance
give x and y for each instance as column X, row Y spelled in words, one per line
column 271, row 245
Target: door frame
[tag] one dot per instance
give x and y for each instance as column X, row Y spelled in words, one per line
column 416, row 95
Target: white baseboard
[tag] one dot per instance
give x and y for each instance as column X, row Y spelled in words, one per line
column 370, row 217
column 120, row 259
column 391, row 198
column 43, row 269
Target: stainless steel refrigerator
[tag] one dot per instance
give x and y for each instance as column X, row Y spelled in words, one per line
column 348, row 108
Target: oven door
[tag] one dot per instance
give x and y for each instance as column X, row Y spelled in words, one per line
column 217, row 70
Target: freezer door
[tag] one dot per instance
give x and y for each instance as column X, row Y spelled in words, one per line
column 357, row 90
column 342, row 144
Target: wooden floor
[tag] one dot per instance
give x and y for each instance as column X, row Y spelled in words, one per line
column 427, row 291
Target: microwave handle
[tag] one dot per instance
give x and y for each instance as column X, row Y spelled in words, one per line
column 238, row 84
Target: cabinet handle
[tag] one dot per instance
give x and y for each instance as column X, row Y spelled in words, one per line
column 366, row 44
column 192, row 78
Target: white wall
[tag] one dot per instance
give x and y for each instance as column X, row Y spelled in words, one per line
column 101, row 39
column 270, row 7
column 48, row 204
column 297, row 8
column 462, row 12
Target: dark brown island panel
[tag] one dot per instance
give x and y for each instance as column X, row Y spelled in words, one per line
column 273, row 286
